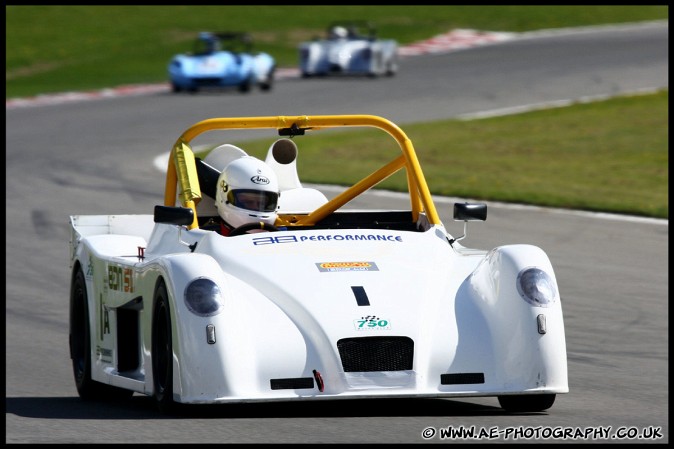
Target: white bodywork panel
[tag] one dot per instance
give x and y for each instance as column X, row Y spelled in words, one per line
column 289, row 298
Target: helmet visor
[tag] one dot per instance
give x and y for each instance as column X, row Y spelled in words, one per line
column 256, row 200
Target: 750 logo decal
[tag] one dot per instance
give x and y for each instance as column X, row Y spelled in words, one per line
column 371, row 323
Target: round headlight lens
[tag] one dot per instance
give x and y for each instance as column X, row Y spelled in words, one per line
column 536, row 287
column 203, row 298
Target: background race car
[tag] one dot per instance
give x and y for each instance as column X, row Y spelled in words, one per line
column 222, row 60
column 350, row 48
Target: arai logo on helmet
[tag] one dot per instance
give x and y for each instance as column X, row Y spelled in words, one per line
column 259, row 179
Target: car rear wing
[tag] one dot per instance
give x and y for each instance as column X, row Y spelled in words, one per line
column 182, row 171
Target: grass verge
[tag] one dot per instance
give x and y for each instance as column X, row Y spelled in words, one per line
column 609, row 156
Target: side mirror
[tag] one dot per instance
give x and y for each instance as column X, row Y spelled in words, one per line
column 173, row 215
column 468, row 212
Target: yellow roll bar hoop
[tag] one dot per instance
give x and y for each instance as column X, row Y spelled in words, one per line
column 182, row 168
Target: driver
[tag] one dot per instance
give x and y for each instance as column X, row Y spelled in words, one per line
column 247, row 193
column 339, row 32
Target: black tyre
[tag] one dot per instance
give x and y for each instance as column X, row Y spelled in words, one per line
column 527, row 403
column 244, row 87
column 392, row 68
column 162, row 351
column 80, row 347
column 269, row 84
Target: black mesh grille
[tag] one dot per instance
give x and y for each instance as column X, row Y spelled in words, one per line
column 376, row 353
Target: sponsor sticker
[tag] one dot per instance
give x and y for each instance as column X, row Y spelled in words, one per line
column 346, row 266
column 120, row 279
column 268, row 240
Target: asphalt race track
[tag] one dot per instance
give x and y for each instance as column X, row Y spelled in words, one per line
column 96, row 157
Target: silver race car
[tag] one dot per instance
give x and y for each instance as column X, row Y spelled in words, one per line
column 350, row 48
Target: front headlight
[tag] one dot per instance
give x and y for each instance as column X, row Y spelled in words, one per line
column 203, row 297
column 536, row 287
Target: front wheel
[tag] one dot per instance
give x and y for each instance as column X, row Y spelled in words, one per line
column 527, row 403
column 162, row 351
column 244, row 87
column 268, row 84
column 392, row 67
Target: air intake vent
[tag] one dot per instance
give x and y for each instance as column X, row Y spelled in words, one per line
column 462, row 378
column 292, row 383
column 376, row 353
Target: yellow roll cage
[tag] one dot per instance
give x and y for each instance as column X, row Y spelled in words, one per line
column 182, row 170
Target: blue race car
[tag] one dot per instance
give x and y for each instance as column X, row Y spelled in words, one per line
column 222, row 60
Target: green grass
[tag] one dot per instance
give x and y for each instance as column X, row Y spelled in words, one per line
column 607, row 156
column 63, row 48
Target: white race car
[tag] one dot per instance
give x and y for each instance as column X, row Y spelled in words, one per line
column 349, row 49
column 332, row 302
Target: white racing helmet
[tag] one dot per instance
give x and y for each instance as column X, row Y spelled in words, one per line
column 339, row 32
column 247, row 192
